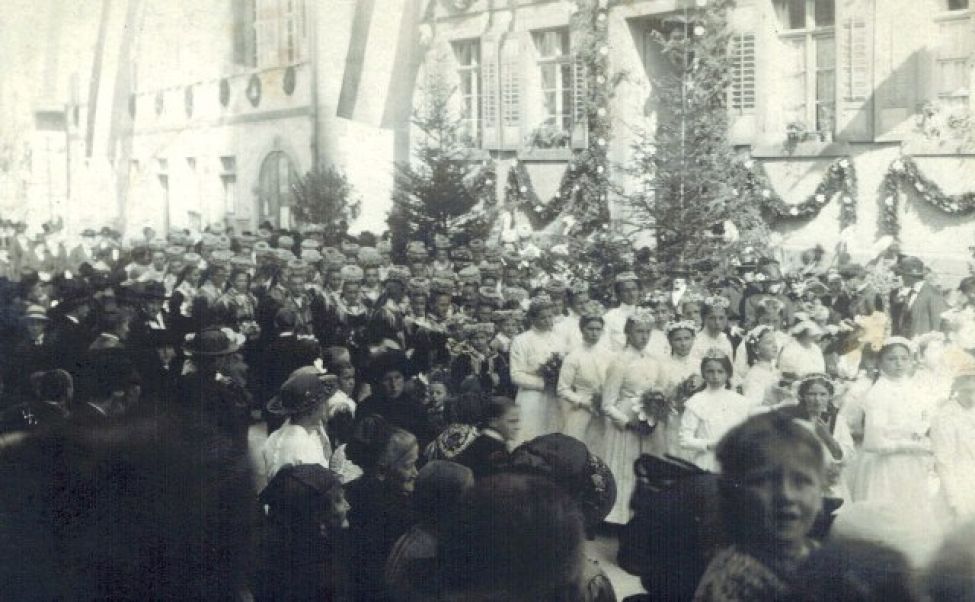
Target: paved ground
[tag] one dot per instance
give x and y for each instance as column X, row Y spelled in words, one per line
column 603, row 548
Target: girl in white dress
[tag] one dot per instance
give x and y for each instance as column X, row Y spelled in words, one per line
column 540, row 412
column 953, row 444
column 896, row 460
column 632, row 372
column 627, row 288
column 581, row 382
column 761, row 382
column 711, row 413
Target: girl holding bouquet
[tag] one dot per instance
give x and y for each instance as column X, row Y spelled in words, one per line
column 711, row 413
column 581, row 381
column 633, row 372
column 531, row 352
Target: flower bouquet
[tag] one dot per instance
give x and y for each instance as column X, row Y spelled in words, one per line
column 549, row 371
column 651, row 409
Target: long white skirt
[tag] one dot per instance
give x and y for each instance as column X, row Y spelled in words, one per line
column 541, row 414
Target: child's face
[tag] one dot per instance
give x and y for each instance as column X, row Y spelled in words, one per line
column 784, row 495
column 895, row 361
column 716, row 321
column 714, row 375
column 681, row 342
column 508, row 424
column 510, row 328
column 438, row 393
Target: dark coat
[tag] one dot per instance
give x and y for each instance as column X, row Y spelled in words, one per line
column 377, row 519
column 923, row 315
column 484, row 456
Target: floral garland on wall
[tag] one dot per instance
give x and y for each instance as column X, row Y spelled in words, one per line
column 583, row 191
column 904, row 173
column 840, row 179
column 481, row 183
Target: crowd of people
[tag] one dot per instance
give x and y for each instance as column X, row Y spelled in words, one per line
column 446, row 421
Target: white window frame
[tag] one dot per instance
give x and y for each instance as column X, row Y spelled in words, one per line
column 810, row 34
column 961, row 60
column 280, row 32
column 472, row 102
column 562, row 115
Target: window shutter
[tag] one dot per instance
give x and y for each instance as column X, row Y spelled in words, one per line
column 510, row 72
column 490, row 127
column 896, row 79
column 580, row 91
column 244, row 32
column 855, row 43
column 743, row 73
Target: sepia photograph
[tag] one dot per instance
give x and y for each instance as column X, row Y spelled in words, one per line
column 487, row 300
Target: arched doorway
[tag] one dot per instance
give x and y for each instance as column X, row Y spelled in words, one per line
column 274, row 189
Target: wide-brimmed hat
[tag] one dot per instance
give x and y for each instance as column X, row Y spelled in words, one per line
column 295, row 488
column 568, row 462
column 305, row 387
column 910, row 266
column 213, row 342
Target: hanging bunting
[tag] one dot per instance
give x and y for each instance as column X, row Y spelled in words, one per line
column 904, row 174
column 839, row 181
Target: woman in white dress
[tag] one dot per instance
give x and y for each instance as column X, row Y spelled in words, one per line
column 802, row 355
column 896, row 460
column 953, row 444
column 712, row 412
column 760, row 383
column 632, row 372
column 530, row 350
column 627, row 288
column 960, row 320
column 681, row 364
column 581, row 381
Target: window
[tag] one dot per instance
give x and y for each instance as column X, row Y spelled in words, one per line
column 957, row 4
column 468, row 55
column 556, row 67
column 229, row 181
column 809, row 40
column 742, row 73
column 955, row 47
column 280, row 32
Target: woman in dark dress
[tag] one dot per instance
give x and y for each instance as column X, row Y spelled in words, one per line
column 381, row 500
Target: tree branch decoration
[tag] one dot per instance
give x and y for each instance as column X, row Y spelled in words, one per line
column 583, row 194
column 840, row 180
column 904, row 173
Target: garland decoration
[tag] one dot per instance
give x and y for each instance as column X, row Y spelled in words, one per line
column 481, row 182
column 840, row 179
column 583, row 193
column 904, row 173
column 519, row 192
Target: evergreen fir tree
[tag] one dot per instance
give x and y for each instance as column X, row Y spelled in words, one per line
column 432, row 194
column 322, row 197
column 691, row 177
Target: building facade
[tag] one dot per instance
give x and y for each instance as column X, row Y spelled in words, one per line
column 178, row 113
column 813, row 81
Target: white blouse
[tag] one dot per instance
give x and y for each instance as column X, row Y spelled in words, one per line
column 631, row 373
column 800, row 360
column 953, row 443
column 759, row 383
column 529, row 350
column 583, row 374
column 293, row 445
column 614, row 323
column 708, row 416
column 895, row 415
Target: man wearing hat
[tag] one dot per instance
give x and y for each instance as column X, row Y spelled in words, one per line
column 857, row 297
column 916, row 307
column 31, row 352
column 768, row 283
column 84, row 251
column 287, row 351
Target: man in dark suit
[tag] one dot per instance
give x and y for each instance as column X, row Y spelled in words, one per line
column 285, row 354
column 858, row 297
column 916, row 307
